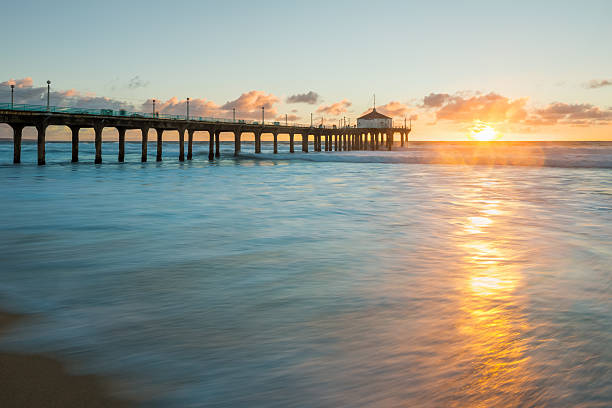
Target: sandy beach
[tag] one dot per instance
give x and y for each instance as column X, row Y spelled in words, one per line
column 30, row 380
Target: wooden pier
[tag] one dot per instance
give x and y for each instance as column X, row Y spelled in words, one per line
column 323, row 138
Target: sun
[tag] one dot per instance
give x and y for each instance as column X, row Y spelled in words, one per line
column 483, row 132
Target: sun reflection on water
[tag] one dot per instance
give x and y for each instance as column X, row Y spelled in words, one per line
column 491, row 323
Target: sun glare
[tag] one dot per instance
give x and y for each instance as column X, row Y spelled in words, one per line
column 483, row 132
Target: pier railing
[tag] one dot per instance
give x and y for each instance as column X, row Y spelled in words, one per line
column 149, row 115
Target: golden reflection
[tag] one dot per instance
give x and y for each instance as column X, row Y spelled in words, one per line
column 490, row 321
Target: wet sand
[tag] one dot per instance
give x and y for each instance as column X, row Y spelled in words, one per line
column 29, row 380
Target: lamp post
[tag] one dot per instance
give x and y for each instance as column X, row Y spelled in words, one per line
column 187, row 108
column 263, row 109
column 153, row 107
column 12, row 92
column 48, row 93
column 285, row 119
column 234, row 114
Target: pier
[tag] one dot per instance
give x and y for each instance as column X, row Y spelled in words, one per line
column 324, row 139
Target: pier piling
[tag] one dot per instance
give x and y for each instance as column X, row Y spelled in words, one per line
column 181, row 144
column 121, row 154
column 217, row 143
column 145, row 140
column 98, row 143
column 211, row 145
column 237, row 142
column 41, row 129
column 160, row 133
column 17, row 133
column 275, row 143
column 291, row 147
column 75, row 143
column 190, row 144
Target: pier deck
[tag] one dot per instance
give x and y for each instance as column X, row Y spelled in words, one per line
column 324, row 138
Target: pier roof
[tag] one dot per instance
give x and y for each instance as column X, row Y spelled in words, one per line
column 374, row 115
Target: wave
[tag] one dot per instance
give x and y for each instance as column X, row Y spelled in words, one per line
column 532, row 157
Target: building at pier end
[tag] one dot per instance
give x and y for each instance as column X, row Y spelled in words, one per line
column 374, row 119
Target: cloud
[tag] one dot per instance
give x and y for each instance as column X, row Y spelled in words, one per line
column 434, row 100
column 595, row 83
column 394, row 109
column 174, row 106
column 467, row 107
column 136, row 83
column 580, row 114
column 248, row 105
column 490, row 107
column 335, row 109
column 310, row 98
column 27, row 93
column 290, row 118
column 19, row 83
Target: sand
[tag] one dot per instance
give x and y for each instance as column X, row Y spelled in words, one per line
column 29, row 380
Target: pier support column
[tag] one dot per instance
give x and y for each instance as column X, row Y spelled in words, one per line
column 75, row 143
column 211, row 145
column 98, row 142
column 17, row 133
column 390, row 140
column 305, row 142
column 257, row 142
column 42, row 130
column 275, row 143
column 217, row 143
column 335, row 140
column 291, row 148
column 160, row 133
column 402, row 139
column 121, row 154
column 181, row 144
column 145, row 142
column 237, row 142
column 190, row 143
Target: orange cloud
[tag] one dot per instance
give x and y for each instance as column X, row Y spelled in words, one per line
column 580, row 114
column 19, row 83
column 334, row 109
column 491, row 107
column 174, row 106
column 249, row 104
column 394, row 109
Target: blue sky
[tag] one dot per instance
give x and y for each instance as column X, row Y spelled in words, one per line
column 545, row 51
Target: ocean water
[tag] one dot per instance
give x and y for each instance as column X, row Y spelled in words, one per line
column 445, row 275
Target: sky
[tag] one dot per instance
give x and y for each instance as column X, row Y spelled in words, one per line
column 533, row 70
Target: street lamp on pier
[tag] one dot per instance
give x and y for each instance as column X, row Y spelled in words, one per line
column 153, row 107
column 187, row 108
column 12, row 98
column 263, row 109
column 48, row 93
column 234, row 114
column 285, row 119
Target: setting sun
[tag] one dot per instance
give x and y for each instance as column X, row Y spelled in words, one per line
column 483, row 132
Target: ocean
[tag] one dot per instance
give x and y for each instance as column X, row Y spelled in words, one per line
column 442, row 275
